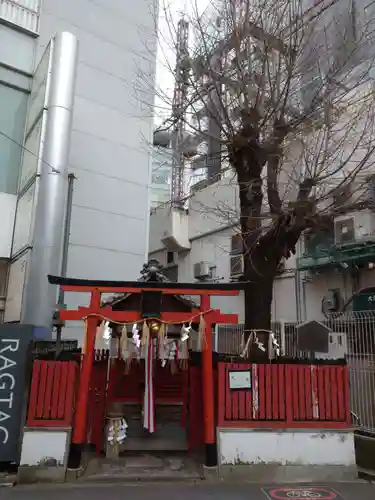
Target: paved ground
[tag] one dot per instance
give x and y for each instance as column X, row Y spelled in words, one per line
column 144, row 491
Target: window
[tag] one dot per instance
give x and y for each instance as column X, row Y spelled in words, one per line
column 339, row 40
column 236, row 257
column 170, row 257
column 22, row 13
column 16, row 50
column 13, row 105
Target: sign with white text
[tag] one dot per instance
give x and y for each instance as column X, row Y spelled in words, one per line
column 15, row 346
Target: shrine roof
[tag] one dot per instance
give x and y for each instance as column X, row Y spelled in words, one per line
column 119, row 297
column 151, row 273
column 152, row 277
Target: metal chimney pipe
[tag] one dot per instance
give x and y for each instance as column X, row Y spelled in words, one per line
column 40, row 297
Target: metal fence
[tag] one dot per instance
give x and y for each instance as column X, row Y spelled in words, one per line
column 352, row 336
column 229, row 338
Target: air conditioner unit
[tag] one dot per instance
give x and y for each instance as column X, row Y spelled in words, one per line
column 201, row 270
column 331, row 301
column 236, row 266
column 354, row 227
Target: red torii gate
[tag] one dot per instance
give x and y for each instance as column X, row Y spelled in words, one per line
column 96, row 312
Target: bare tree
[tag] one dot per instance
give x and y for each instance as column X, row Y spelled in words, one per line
column 282, row 92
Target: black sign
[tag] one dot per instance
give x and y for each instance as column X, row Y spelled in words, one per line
column 15, row 343
column 301, row 492
column 49, row 346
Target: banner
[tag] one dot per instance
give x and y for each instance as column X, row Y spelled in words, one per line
column 15, row 355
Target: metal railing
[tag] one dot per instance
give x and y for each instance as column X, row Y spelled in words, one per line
column 230, row 338
column 352, row 336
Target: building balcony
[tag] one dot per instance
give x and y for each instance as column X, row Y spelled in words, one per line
column 21, row 13
column 325, row 254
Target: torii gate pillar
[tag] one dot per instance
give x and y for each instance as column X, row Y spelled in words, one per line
column 95, row 312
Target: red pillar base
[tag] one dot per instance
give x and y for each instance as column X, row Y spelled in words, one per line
column 75, row 456
column 210, row 455
column 208, row 389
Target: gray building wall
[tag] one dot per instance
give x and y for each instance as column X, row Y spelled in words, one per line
column 109, row 153
column 111, row 134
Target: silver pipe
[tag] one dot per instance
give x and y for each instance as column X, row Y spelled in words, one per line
column 47, row 247
column 67, row 225
column 304, row 302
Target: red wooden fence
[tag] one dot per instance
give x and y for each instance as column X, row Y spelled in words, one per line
column 285, row 396
column 52, row 393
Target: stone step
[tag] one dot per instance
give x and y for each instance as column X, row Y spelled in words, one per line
column 150, row 477
column 142, row 467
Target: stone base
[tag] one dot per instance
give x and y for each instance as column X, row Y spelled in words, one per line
column 274, row 456
column 277, row 474
column 35, row 474
column 141, row 468
column 365, row 453
column 211, row 474
column 44, row 455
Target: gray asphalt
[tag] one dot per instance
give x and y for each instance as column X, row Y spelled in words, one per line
column 147, row 491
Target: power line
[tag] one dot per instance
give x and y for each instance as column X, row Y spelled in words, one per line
column 54, row 170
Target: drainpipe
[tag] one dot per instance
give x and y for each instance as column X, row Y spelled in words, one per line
column 298, row 285
column 297, row 290
column 304, row 283
column 65, row 251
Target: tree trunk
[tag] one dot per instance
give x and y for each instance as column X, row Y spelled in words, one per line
column 258, row 303
column 262, row 249
column 261, row 260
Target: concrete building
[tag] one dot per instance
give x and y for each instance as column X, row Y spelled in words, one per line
column 323, row 275
column 201, row 244
column 83, row 80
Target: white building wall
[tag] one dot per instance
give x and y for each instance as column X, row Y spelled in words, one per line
column 8, row 210
column 284, row 305
column 213, row 249
column 214, row 207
